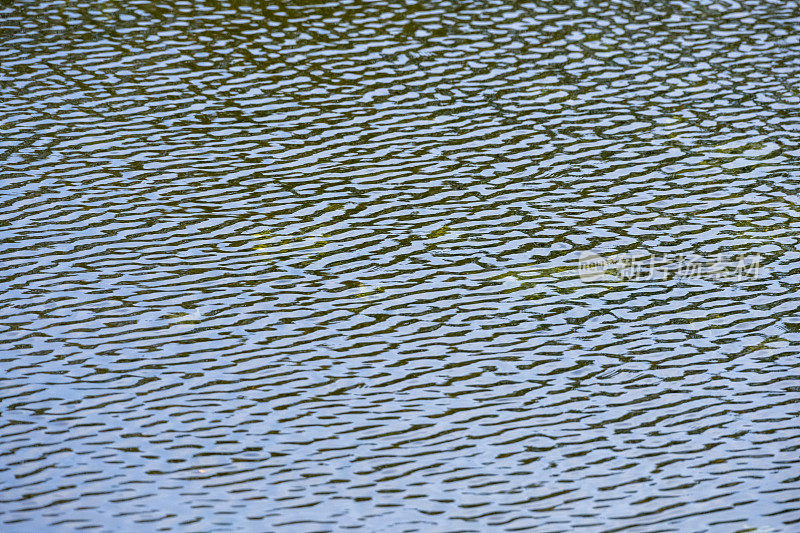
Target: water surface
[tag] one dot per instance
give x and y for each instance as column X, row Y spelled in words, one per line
column 311, row 266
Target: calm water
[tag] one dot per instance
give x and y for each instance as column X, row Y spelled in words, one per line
column 311, row 266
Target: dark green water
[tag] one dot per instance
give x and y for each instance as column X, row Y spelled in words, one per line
column 316, row 266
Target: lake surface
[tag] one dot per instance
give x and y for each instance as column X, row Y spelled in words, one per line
column 321, row 266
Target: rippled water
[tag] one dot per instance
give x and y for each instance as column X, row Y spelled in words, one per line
column 310, row 266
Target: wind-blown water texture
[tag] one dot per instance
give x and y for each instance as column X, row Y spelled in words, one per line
column 305, row 266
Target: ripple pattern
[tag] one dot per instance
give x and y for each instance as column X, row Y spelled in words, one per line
column 309, row 265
